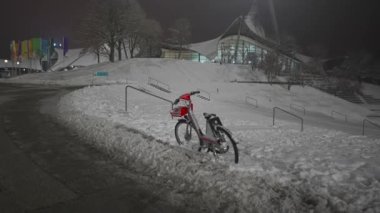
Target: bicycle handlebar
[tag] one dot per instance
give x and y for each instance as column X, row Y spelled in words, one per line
column 191, row 93
column 194, row 92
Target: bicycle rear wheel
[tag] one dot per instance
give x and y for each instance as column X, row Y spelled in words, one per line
column 186, row 135
column 228, row 148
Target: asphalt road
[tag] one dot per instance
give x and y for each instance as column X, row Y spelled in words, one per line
column 44, row 167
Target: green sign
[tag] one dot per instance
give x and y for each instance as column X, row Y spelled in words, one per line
column 102, row 74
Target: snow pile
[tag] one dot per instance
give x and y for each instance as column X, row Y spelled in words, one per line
column 280, row 168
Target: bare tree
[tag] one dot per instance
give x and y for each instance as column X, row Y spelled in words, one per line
column 180, row 34
column 271, row 65
column 289, row 44
column 133, row 23
column 151, row 34
column 108, row 24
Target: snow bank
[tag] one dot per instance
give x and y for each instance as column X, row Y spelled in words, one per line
column 280, row 168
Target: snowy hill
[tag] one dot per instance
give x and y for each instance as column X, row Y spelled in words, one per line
column 329, row 167
column 75, row 57
column 185, row 75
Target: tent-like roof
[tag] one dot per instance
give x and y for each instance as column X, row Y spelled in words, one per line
column 206, row 48
column 248, row 27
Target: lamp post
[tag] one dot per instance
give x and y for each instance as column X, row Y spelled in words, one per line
column 17, row 69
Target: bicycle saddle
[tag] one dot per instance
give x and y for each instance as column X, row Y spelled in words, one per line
column 208, row 115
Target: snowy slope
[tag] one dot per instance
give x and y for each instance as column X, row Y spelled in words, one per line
column 281, row 169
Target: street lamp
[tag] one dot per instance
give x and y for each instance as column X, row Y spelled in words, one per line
column 6, row 61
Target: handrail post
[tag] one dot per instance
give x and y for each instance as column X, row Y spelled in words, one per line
column 126, row 98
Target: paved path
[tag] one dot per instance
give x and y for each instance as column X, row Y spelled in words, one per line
column 46, row 168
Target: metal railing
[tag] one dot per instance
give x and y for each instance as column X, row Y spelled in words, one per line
column 296, row 116
column 250, row 98
column 338, row 113
column 143, row 91
column 266, row 82
column 371, row 122
column 295, row 107
column 373, row 116
column 159, row 85
column 207, row 97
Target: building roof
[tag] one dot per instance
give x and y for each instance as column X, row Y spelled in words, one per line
column 249, row 28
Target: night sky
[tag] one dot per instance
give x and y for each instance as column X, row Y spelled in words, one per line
column 340, row 26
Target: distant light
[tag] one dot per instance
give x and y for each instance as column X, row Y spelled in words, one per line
column 17, row 62
column 55, row 44
column 60, row 45
column 233, row 62
column 24, row 69
column 5, row 61
column 249, row 62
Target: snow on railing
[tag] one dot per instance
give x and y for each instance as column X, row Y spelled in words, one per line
column 204, row 95
column 296, row 107
column 296, row 116
column 143, row 91
column 159, row 85
column 338, row 113
column 371, row 122
column 247, row 98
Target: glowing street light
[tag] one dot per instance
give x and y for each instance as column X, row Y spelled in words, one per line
column 6, row 61
column 18, row 63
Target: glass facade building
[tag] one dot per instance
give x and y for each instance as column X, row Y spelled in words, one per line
column 184, row 55
column 236, row 49
column 241, row 43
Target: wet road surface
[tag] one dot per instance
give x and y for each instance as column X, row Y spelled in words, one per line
column 44, row 167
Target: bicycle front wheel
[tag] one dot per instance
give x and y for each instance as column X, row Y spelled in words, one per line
column 228, row 146
column 186, row 135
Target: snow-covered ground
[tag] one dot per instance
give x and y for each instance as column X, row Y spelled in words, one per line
column 329, row 167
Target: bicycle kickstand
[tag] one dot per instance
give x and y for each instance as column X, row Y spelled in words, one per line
column 215, row 154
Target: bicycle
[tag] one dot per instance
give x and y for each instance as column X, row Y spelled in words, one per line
column 217, row 139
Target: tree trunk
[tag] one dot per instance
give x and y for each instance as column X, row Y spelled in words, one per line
column 131, row 46
column 125, row 49
column 112, row 52
column 119, row 49
column 131, row 51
